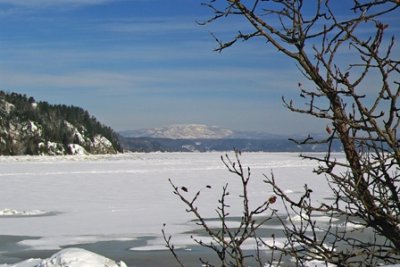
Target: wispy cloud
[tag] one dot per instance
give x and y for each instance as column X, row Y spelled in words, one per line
column 47, row 3
column 95, row 80
column 26, row 8
column 155, row 24
column 231, row 83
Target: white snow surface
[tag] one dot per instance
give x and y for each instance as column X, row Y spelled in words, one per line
column 129, row 194
column 12, row 212
column 121, row 197
column 71, row 257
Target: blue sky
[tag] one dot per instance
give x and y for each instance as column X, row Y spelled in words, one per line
column 145, row 63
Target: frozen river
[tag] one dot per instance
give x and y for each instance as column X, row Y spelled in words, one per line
column 63, row 201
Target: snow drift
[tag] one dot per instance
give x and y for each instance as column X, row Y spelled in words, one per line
column 71, row 257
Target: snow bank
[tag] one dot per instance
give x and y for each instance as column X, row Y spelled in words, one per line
column 303, row 217
column 26, row 263
column 12, row 212
column 71, row 257
column 316, row 263
column 350, row 225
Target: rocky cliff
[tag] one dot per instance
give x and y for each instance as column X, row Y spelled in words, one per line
column 28, row 127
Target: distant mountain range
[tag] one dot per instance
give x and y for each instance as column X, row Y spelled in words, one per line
column 195, row 131
column 202, row 138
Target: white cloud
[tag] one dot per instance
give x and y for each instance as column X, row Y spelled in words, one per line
column 46, row 3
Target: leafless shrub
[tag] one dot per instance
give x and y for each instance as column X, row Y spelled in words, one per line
column 363, row 116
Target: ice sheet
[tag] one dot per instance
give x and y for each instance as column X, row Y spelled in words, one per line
column 128, row 195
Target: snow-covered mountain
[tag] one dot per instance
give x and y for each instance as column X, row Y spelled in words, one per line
column 197, row 131
column 182, row 131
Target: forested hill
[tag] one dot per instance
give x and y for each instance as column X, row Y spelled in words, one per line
column 28, row 127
